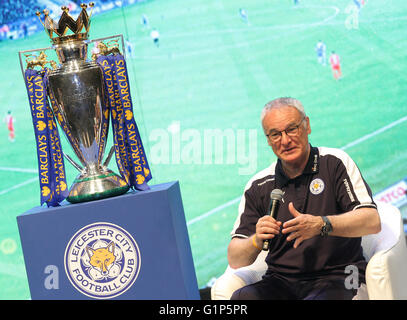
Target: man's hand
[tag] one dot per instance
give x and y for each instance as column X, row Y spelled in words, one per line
column 243, row 252
column 302, row 227
column 266, row 228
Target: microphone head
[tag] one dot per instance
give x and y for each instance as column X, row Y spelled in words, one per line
column 276, row 194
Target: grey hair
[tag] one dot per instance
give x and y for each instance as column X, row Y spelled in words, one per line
column 282, row 102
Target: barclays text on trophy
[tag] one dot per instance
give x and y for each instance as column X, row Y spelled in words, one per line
column 82, row 95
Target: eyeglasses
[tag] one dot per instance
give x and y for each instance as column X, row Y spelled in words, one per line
column 292, row 131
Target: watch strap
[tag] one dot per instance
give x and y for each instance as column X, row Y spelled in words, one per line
column 326, row 228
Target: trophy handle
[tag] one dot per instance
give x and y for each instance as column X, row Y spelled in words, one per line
column 77, row 166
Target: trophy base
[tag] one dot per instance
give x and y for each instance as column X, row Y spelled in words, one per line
column 95, row 187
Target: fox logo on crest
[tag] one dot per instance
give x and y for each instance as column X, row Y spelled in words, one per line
column 102, row 259
column 317, row 186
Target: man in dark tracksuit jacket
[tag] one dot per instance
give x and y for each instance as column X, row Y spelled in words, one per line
column 326, row 208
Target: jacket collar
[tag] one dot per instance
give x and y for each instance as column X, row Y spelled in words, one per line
column 312, row 167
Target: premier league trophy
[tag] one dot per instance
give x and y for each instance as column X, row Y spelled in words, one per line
column 81, row 95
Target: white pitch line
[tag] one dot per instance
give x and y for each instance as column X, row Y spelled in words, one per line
column 347, row 146
column 18, row 185
column 374, row 133
column 18, row 170
column 211, row 212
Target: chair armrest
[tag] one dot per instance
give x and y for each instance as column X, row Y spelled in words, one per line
column 386, row 276
column 226, row 284
column 233, row 279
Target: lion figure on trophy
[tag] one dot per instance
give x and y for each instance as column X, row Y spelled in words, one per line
column 112, row 47
column 40, row 61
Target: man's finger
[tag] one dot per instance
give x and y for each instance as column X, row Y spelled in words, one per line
column 293, row 236
column 297, row 242
column 266, row 230
column 293, row 211
column 289, row 229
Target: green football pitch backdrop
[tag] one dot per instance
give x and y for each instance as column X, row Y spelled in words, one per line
column 198, row 98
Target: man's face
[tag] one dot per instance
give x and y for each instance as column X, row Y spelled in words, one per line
column 290, row 149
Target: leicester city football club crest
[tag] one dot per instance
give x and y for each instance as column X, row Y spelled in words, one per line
column 102, row 260
column 317, row 186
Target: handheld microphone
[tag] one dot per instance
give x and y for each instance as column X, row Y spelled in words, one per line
column 275, row 197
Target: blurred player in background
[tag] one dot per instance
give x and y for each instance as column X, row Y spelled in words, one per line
column 129, row 49
column 155, row 35
column 244, row 16
column 335, row 62
column 144, row 21
column 320, row 48
column 357, row 4
column 9, row 120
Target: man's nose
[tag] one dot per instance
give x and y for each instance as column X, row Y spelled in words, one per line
column 285, row 138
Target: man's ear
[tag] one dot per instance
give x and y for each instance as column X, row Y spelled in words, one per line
column 264, row 131
column 308, row 125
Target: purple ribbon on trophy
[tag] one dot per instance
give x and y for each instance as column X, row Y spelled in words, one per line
column 51, row 166
column 130, row 156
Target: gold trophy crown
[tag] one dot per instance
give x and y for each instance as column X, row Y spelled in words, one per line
column 79, row 27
